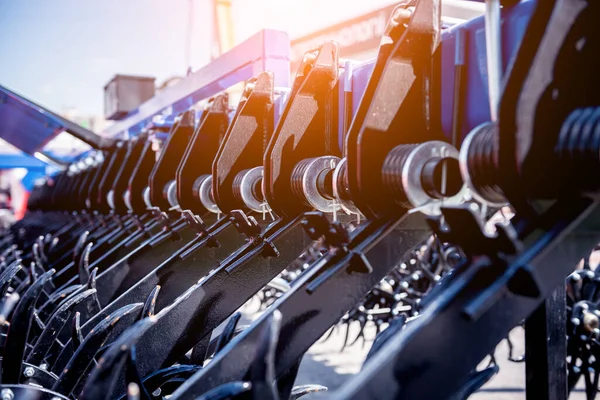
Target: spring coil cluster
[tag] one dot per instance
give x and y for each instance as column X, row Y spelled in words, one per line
column 482, row 163
column 578, row 148
column 237, row 188
column 296, row 179
column 196, row 186
column 392, row 171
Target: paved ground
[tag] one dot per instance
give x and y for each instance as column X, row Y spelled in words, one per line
column 326, row 365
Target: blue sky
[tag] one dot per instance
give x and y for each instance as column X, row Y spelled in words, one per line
column 61, row 53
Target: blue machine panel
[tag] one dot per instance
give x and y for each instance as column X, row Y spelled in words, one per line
column 476, row 108
column 29, row 126
column 24, row 125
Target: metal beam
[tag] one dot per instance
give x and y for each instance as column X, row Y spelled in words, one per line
column 267, row 50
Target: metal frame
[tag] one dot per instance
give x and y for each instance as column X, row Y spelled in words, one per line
column 267, row 50
column 29, row 126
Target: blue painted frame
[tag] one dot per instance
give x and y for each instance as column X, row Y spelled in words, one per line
column 476, row 104
column 268, row 50
column 29, row 126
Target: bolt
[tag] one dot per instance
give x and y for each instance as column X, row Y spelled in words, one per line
column 575, row 321
column 590, row 274
column 402, row 15
column 7, row 394
column 44, row 366
column 29, row 372
column 590, row 321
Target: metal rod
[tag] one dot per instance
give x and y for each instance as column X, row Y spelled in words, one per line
column 493, row 54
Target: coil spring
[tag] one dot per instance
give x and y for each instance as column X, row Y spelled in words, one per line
column 196, row 186
column 482, row 163
column 578, row 147
column 237, row 186
column 392, row 171
column 296, row 179
column 342, row 183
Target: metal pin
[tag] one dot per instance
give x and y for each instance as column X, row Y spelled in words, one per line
column 493, row 54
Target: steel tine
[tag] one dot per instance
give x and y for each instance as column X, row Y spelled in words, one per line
column 210, row 350
column 89, row 307
column 361, row 334
column 227, row 391
column 132, row 375
column 40, row 241
column 76, row 335
column 8, row 251
column 53, row 244
column 329, row 334
column 262, row 370
column 100, row 383
column 228, row 332
column 37, row 257
column 16, row 339
column 7, row 276
column 94, row 305
column 346, row 336
column 55, row 300
column 91, row 282
column 37, row 327
column 155, row 381
column 84, row 264
column 150, row 304
column 81, row 242
column 200, row 352
column 84, row 355
column 54, row 327
column 33, row 275
column 301, row 391
column 7, row 306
